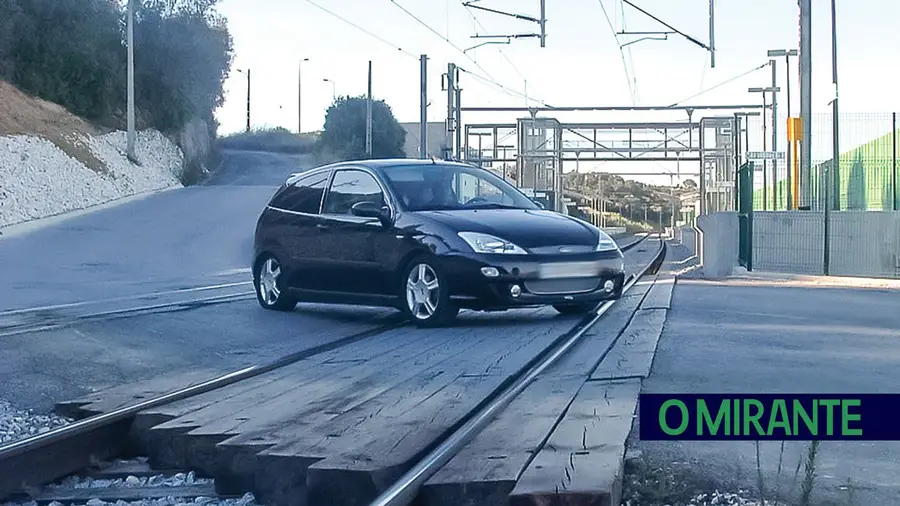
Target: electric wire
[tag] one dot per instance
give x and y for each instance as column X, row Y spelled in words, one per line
column 621, row 51
column 723, row 83
column 367, row 32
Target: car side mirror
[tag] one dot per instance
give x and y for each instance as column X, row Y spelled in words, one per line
column 367, row 209
column 538, row 203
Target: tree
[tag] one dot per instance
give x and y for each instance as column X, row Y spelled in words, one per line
column 344, row 133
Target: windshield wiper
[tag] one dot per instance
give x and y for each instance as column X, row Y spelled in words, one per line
column 491, row 205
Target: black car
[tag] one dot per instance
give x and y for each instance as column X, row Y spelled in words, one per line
column 428, row 237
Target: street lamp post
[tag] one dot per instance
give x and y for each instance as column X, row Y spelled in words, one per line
column 333, row 88
column 300, row 96
column 248, row 95
column 787, row 53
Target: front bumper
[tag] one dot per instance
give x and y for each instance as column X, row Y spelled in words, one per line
column 472, row 288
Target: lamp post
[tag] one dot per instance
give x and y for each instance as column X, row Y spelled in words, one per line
column 248, row 95
column 300, row 96
column 763, row 91
column 333, row 88
column 787, row 53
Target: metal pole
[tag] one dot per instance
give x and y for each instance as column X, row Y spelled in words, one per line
column 131, row 134
column 789, row 147
column 894, row 158
column 248, row 99
column 737, row 159
column 423, row 106
column 835, row 148
column 451, row 97
column 712, row 34
column 774, row 135
column 369, row 115
column 458, row 122
column 805, row 100
column 765, row 189
column 543, row 23
column 300, row 96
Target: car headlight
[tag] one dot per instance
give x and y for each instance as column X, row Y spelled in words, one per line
column 485, row 243
column 606, row 243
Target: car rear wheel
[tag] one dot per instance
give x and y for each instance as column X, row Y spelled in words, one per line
column 575, row 309
column 425, row 295
column 269, row 286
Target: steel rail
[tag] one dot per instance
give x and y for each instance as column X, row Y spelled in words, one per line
column 24, row 465
column 404, row 491
column 151, row 295
column 25, row 328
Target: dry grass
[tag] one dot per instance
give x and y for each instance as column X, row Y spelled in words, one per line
column 21, row 114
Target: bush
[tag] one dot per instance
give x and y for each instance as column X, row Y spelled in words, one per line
column 278, row 140
column 344, row 133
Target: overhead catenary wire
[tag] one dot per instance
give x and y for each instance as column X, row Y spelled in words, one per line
column 367, row 32
column 612, row 28
column 723, row 83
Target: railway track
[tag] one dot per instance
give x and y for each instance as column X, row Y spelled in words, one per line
column 45, row 318
column 85, row 445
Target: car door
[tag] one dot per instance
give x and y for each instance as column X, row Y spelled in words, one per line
column 350, row 240
column 300, row 204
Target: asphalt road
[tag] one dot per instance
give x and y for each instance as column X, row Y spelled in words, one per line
column 40, row 369
column 724, row 337
column 186, row 237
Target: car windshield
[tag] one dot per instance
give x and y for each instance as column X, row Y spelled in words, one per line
column 444, row 187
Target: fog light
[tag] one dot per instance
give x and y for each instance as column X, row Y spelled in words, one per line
column 490, row 272
column 609, row 286
column 515, row 290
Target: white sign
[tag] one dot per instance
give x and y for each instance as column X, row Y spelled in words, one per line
column 765, row 155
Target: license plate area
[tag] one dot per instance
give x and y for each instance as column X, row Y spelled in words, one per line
column 558, row 270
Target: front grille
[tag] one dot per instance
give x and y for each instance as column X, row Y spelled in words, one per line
column 562, row 286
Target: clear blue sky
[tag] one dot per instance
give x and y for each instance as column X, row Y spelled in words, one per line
column 580, row 65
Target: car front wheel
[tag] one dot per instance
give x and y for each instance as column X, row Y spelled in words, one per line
column 426, row 297
column 269, row 286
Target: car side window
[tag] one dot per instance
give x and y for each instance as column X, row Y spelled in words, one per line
column 304, row 195
column 350, row 187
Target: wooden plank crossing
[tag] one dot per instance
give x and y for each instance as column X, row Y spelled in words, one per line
column 341, row 426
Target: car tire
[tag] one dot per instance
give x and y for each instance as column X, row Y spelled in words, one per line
column 424, row 295
column 575, row 309
column 268, row 286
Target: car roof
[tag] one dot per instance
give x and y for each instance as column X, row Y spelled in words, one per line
column 381, row 163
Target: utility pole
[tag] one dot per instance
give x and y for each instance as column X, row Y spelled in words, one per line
column 774, row 135
column 451, row 97
column 248, row 99
column 458, row 122
column 543, row 23
column 805, row 101
column 423, row 106
column 131, row 133
column 787, row 53
column 300, row 96
column 763, row 91
column 832, row 169
column 369, row 115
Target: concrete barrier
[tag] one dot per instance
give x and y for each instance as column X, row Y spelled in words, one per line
column 718, row 243
column 614, row 231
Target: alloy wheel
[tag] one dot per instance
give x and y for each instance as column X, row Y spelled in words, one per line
column 422, row 291
column 268, row 281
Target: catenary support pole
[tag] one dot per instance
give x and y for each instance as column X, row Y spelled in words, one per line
column 832, row 169
column 451, row 97
column 423, row 106
column 369, row 114
column 894, row 160
column 805, row 58
column 774, row 135
column 131, row 133
column 457, row 120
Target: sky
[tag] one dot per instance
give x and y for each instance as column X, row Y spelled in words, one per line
column 581, row 64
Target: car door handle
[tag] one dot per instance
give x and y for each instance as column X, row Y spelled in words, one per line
column 323, row 228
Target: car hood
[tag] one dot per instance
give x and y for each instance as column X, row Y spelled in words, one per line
column 527, row 228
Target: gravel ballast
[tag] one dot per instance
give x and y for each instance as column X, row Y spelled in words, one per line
column 38, row 179
column 16, row 424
